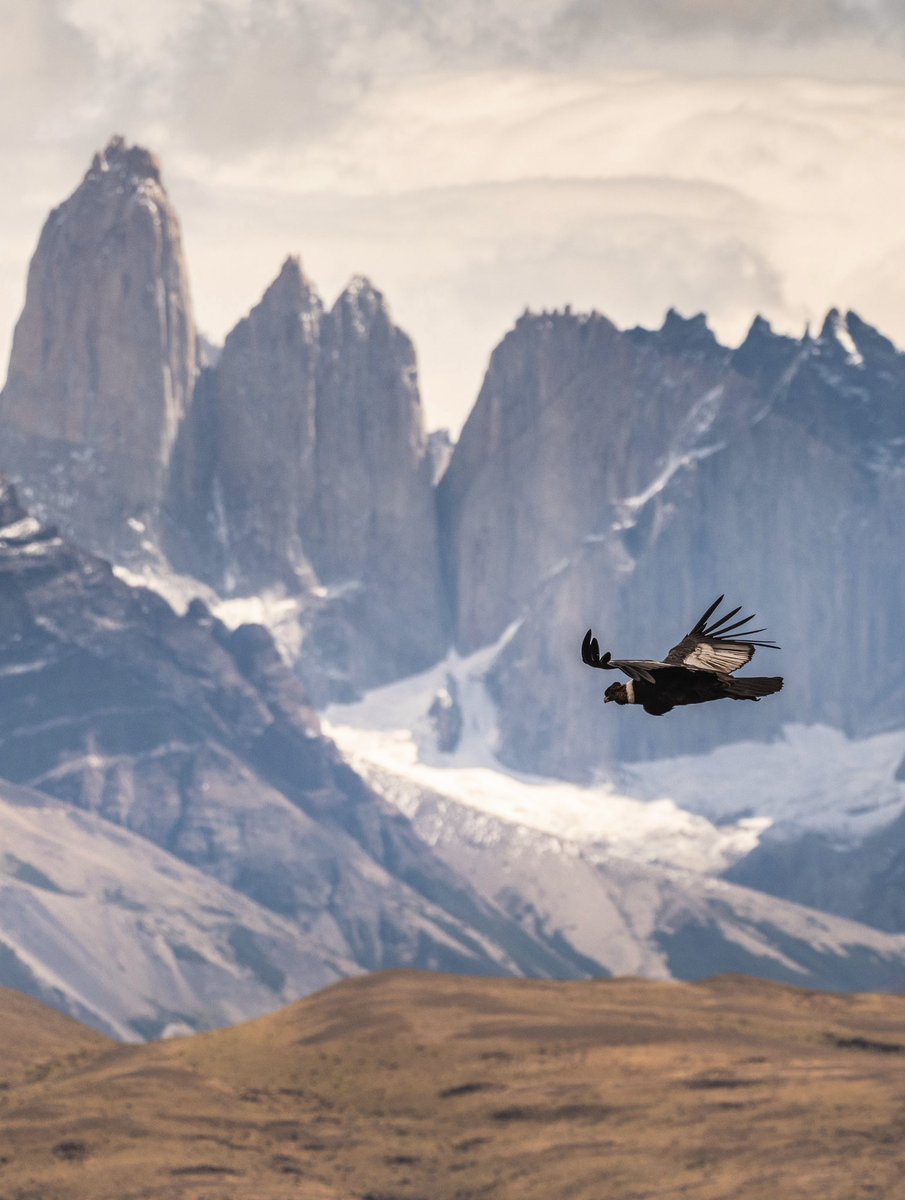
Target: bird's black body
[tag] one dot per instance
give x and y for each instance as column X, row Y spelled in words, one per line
column 698, row 669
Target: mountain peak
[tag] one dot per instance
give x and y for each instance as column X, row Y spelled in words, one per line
column 835, row 333
column 95, row 370
column 868, row 339
column 764, row 351
column 687, row 333
column 363, row 296
column 680, row 335
column 293, row 287
column 119, row 158
column 831, row 324
column 760, row 327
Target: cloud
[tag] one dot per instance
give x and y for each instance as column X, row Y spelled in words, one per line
column 777, row 20
column 478, row 157
column 268, row 74
column 233, row 77
column 467, row 200
column 458, row 264
column 48, row 67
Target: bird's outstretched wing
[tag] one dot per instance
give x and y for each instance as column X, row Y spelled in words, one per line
column 706, row 647
column 635, row 668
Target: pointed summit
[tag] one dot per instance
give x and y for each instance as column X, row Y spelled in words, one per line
column 120, row 158
column 362, row 299
column 765, row 352
column 871, row 343
column 836, row 335
column 831, row 324
column 760, row 329
column 687, row 334
column 104, row 355
column 291, row 294
column 360, row 290
column 690, row 337
column 292, row 284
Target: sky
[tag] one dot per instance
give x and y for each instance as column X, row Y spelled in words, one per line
column 479, row 157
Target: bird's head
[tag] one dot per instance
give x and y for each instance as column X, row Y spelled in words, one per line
column 616, row 692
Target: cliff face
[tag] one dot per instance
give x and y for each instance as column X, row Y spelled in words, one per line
column 639, row 475
column 304, row 463
column 372, row 536
column 103, row 360
column 243, row 470
column 573, row 421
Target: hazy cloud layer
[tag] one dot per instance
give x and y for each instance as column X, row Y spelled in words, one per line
column 477, row 157
column 230, row 76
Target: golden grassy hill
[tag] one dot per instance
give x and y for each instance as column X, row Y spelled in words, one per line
column 35, row 1039
column 409, row 1086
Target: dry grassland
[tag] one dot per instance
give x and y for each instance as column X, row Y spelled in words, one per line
column 408, row 1086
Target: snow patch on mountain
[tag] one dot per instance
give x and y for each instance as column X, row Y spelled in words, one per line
column 814, row 779
column 273, row 608
column 389, row 732
column 629, row 881
column 697, row 812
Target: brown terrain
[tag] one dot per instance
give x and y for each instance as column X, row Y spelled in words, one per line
column 409, row 1086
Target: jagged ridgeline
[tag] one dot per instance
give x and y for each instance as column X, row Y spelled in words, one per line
column 647, row 472
column 605, row 477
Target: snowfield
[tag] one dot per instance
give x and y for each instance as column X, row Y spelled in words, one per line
column 627, row 871
column 699, row 813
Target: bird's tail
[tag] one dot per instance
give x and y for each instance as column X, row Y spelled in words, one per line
column 753, row 687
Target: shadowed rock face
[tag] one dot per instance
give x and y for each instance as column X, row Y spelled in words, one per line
column 103, row 360
column 624, row 480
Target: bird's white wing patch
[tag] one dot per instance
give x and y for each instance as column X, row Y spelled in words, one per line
column 724, row 657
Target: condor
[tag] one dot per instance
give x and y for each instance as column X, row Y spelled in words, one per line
column 698, row 669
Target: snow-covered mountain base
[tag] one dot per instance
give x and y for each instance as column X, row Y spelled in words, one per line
column 628, row 871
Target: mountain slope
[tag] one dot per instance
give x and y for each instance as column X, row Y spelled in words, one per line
column 633, row 876
column 200, row 741
column 36, row 1036
column 129, row 939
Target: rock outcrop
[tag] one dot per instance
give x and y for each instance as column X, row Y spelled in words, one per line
column 104, row 355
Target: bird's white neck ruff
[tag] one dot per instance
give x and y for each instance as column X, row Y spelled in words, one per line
column 630, row 691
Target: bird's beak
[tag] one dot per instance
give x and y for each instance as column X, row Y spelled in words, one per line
column 607, row 699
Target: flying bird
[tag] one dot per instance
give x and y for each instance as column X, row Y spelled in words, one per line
column 698, row 669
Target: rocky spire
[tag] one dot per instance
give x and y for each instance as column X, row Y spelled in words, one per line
column 104, row 355
column 306, row 461
column 261, row 431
